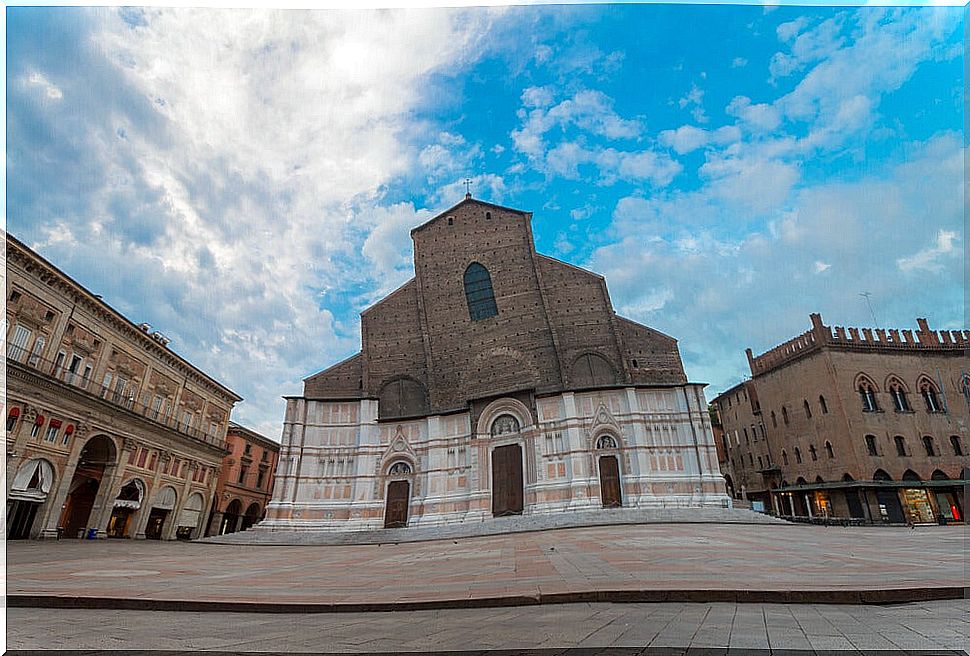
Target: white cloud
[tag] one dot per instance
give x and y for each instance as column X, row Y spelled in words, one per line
column 688, row 138
column 929, row 259
column 739, row 62
column 821, row 267
column 51, row 91
column 251, row 155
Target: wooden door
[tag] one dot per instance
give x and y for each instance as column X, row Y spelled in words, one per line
column 156, row 520
column 507, row 496
column 396, row 509
column 610, row 482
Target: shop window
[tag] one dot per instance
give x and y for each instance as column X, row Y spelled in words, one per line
column 867, row 394
column 898, row 394
column 813, row 451
column 823, row 405
column 798, row 455
column 829, row 451
column 900, row 445
column 930, row 396
column 808, row 409
column 955, row 443
column 871, row 445
column 929, row 446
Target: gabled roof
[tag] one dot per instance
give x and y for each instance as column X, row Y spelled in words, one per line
column 469, row 200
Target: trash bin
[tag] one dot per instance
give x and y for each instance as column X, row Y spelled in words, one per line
column 92, row 533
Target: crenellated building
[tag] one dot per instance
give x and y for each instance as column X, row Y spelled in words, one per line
column 497, row 381
column 848, row 422
column 107, row 428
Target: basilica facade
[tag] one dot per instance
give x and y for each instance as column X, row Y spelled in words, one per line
column 497, row 381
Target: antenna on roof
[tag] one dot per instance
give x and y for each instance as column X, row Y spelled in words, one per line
column 468, row 184
column 866, row 296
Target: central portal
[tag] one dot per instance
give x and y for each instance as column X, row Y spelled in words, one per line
column 507, row 480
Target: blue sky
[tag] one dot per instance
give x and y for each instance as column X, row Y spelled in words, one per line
column 245, row 180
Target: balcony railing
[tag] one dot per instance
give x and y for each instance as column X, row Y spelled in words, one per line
column 123, row 398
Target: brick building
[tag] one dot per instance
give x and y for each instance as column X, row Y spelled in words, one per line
column 106, row 427
column 245, row 481
column 497, row 381
column 862, row 423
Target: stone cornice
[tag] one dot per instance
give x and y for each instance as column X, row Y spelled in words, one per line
column 40, row 269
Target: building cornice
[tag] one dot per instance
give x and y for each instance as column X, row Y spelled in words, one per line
column 20, row 254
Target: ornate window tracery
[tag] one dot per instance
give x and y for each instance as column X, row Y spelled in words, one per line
column 399, row 468
column 505, row 424
column 606, row 442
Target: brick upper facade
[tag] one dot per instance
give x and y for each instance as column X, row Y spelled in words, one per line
column 555, row 329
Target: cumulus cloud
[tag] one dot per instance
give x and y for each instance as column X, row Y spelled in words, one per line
column 230, row 165
column 841, row 237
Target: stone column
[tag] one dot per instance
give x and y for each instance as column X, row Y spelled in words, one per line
column 114, row 475
column 170, row 531
column 808, row 506
column 791, row 503
column 55, row 503
column 163, row 459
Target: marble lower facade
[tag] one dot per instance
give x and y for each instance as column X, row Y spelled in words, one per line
column 342, row 470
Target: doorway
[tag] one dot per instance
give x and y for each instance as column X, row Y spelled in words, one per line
column 507, row 493
column 610, row 482
column 156, row 520
column 21, row 518
column 396, row 508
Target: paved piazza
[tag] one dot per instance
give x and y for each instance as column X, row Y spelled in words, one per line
column 692, row 557
column 709, row 628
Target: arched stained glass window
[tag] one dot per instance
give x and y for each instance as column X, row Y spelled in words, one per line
column 479, row 293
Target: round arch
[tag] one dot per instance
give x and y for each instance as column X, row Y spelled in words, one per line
column 505, row 405
column 592, row 369
column 98, row 455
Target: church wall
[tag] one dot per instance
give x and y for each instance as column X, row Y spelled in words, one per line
column 579, row 312
column 472, row 359
column 663, row 444
column 392, row 340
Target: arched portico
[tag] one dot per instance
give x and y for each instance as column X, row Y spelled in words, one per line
column 231, row 517
column 27, row 498
column 96, row 465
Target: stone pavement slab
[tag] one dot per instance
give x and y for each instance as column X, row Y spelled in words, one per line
column 636, row 563
column 570, row 630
